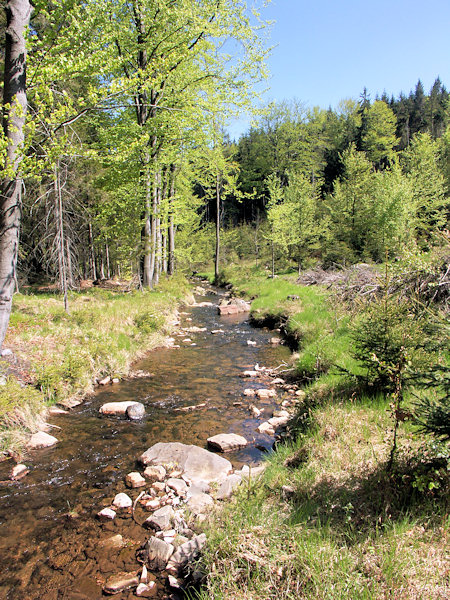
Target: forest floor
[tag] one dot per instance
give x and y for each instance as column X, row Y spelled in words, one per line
column 327, row 519
column 58, row 357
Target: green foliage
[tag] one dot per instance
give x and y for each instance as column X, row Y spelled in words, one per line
column 432, row 411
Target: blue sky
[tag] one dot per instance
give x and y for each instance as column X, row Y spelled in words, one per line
column 329, row 50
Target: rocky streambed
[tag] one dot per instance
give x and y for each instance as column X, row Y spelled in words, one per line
column 93, row 517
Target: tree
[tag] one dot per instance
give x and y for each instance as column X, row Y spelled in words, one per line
column 378, row 138
column 421, row 164
column 18, row 14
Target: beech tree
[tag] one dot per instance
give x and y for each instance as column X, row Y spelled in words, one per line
column 18, row 14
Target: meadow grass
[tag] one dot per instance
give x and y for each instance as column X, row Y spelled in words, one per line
column 58, row 356
column 326, row 520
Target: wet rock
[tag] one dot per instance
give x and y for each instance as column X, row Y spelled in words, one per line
column 135, row 480
column 216, row 331
column 264, row 394
column 136, row 412
column 186, row 554
column 122, row 501
column 146, row 590
column 300, row 394
column 275, row 341
column 144, row 575
column 158, row 486
column 278, row 381
column 55, row 410
column 196, row 463
column 175, row 583
column 281, row 413
column 153, row 504
column 116, row 408
column 157, row 553
column 105, row 381
column 106, row 514
column 179, row 486
column 114, row 542
column 41, row 440
column 228, row 486
column 19, row 471
column 160, row 519
column 256, row 412
column 225, row 442
column 278, row 421
column 249, row 392
column 249, row 374
column 155, row 473
column 266, row 428
column 251, row 343
column 119, row 583
column 116, row 380
column 198, row 503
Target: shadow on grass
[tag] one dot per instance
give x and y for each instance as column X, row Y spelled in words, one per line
column 365, row 503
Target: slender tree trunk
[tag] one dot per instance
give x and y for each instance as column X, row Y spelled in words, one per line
column 70, row 278
column 217, row 258
column 18, row 14
column 171, row 232
column 61, row 245
column 92, row 253
column 273, row 260
column 108, row 265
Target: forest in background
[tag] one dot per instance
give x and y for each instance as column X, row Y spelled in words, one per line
column 128, row 170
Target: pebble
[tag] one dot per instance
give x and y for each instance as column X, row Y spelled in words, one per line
column 122, row 501
column 19, row 471
column 155, row 473
column 146, row 590
column 107, row 514
column 134, row 480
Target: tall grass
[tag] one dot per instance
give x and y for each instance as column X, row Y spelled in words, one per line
column 62, row 354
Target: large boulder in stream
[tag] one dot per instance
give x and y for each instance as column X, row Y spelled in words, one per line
column 225, row 442
column 196, row 463
column 233, row 306
column 133, row 410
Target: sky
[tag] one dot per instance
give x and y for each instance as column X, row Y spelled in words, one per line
column 328, row 50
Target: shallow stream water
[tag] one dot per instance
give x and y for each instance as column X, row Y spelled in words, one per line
column 47, row 554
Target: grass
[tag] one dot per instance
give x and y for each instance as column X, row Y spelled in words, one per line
column 60, row 355
column 326, row 520
column 345, row 530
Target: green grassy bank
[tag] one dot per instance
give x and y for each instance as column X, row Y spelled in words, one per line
column 57, row 356
column 327, row 520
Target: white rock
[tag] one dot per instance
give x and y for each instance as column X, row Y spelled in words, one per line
column 300, row 394
column 146, row 590
column 178, row 485
column 278, row 381
column 134, row 480
column 41, row 440
column 255, row 411
column 122, row 501
column 19, row 471
column 249, row 374
column 225, row 442
column 251, row 343
column 197, row 503
column 106, row 514
column 227, row 487
column 249, row 392
column 155, row 473
column 116, row 408
column 144, row 575
column 158, row 553
column 263, row 393
column 266, row 428
column 105, row 380
column 7, row 352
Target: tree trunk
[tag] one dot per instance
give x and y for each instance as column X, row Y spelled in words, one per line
column 61, row 246
column 108, row 265
column 18, row 14
column 92, row 253
column 171, row 232
column 217, row 258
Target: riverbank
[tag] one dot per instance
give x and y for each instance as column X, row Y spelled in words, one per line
column 56, row 358
column 327, row 519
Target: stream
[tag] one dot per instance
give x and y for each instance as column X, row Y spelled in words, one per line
column 50, row 539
